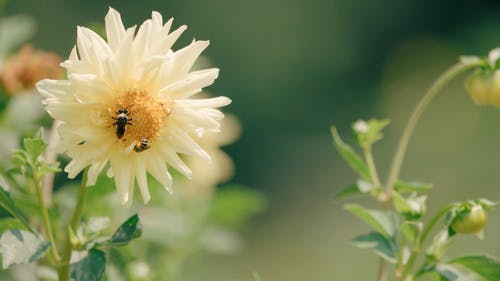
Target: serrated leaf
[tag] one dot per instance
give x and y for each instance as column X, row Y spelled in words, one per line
column 90, row 266
column 350, row 156
column 381, row 246
column 8, row 205
column 19, row 246
column 487, row 267
column 129, row 230
column 402, row 187
column 382, row 221
column 34, row 148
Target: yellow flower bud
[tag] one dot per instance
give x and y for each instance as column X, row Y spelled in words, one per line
column 484, row 87
column 470, row 221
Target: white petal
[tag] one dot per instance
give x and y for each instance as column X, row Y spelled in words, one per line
column 191, row 84
column 114, row 28
column 142, row 180
column 121, row 170
column 159, row 171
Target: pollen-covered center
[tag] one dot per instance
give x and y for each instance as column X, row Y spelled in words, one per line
column 136, row 115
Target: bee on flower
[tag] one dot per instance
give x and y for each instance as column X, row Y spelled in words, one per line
column 130, row 104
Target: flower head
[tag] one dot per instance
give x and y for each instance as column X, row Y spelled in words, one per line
column 29, row 66
column 128, row 101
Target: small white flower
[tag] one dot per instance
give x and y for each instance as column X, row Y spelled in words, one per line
column 128, row 102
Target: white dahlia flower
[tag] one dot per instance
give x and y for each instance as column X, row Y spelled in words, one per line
column 128, row 102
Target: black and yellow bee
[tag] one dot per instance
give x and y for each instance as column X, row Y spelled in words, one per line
column 142, row 145
column 122, row 120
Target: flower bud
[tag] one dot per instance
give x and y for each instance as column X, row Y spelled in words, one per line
column 484, row 87
column 470, row 220
column 22, row 71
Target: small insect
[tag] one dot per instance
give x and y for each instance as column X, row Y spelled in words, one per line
column 142, row 145
column 121, row 121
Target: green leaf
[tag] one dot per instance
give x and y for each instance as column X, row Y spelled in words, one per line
column 487, row 267
column 381, row 246
column 382, row 221
column 411, row 230
column 349, row 191
column 350, row 156
column 90, row 266
column 439, row 245
column 7, row 203
column 448, row 273
column 19, row 246
column 10, row 223
column 401, row 186
column 234, row 205
column 34, row 148
column 129, row 230
column 48, row 168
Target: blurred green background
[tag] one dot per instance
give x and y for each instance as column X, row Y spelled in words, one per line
column 293, row 68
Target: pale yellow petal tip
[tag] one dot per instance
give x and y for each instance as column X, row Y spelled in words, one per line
column 124, row 198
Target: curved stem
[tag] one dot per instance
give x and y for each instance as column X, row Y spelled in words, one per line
column 421, row 240
column 446, row 77
column 54, row 255
column 64, row 269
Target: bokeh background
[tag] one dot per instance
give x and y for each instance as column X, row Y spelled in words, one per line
column 293, row 68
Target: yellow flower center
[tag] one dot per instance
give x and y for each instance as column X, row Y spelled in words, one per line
column 136, row 115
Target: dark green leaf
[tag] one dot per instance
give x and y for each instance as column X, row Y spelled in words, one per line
column 448, row 273
column 381, row 246
column 382, row 221
column 8, row 205
column 350, row 156
column 90, row 267
column 401, row 186
column 19, row 246
column 486, row 266
column 129, row 230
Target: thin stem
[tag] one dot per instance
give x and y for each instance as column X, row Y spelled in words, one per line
column 421, row 240
column 54, row 255
column 50, row 157
column 371, row 165
column 382, row 270
column 64, row 269
column 446, row 77
column 367, row 149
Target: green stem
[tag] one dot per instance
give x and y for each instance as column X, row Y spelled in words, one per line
column 421, row 240
column 367, row 149
column 54, row 255
column 64, row 268
column 371, row 165
column 446, row 77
